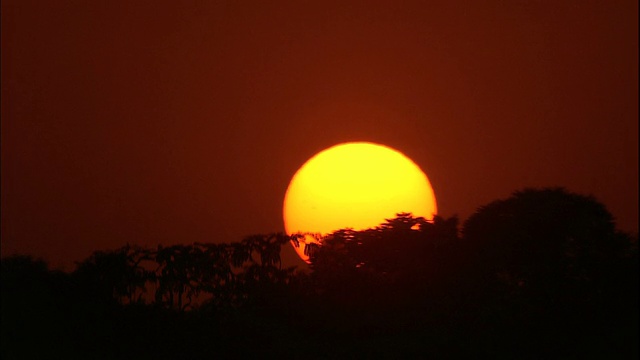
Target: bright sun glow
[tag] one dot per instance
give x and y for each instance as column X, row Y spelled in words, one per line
column 355, row 185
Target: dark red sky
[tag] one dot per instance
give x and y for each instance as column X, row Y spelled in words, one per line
column 132, row 121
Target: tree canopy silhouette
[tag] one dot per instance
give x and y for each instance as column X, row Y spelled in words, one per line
column 401, row 251
column 544, row 270
column 554, row 260
column 542, row 238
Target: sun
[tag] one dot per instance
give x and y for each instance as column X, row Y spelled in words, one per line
column 355, row 185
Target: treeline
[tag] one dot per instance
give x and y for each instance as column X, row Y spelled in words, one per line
column 181, row 277
column 541, row 274
column 164, row 302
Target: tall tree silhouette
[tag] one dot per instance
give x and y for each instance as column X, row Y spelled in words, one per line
column 553, row 260
column 217, row 277
column 262, row 270
column 117, row 274
column 181, row 270
column 540, row 238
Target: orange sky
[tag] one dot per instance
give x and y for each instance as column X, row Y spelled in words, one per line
column 151, row 122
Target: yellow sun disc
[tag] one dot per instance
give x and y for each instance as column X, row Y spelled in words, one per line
column 355, row 185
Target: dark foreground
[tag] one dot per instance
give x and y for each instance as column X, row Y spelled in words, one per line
column 541, row 275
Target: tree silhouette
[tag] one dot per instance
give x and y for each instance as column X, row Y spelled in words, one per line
column 553, row 260
column 37, row 309
column 217, row 278
column 404, row 252
column 262, row 274
column 181, row 272
column 541, row 274
column 540, row 238
column 117, row 275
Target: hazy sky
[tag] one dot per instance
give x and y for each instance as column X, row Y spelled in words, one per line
column 143, row 122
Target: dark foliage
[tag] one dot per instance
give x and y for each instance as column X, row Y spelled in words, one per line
column 558, row 269
column 542, row 274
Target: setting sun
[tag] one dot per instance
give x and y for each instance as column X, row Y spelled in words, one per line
column 355, row 185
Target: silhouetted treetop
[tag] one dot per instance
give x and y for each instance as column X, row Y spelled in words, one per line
column 403, row 251
column 543, row 270
column 544, row 236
